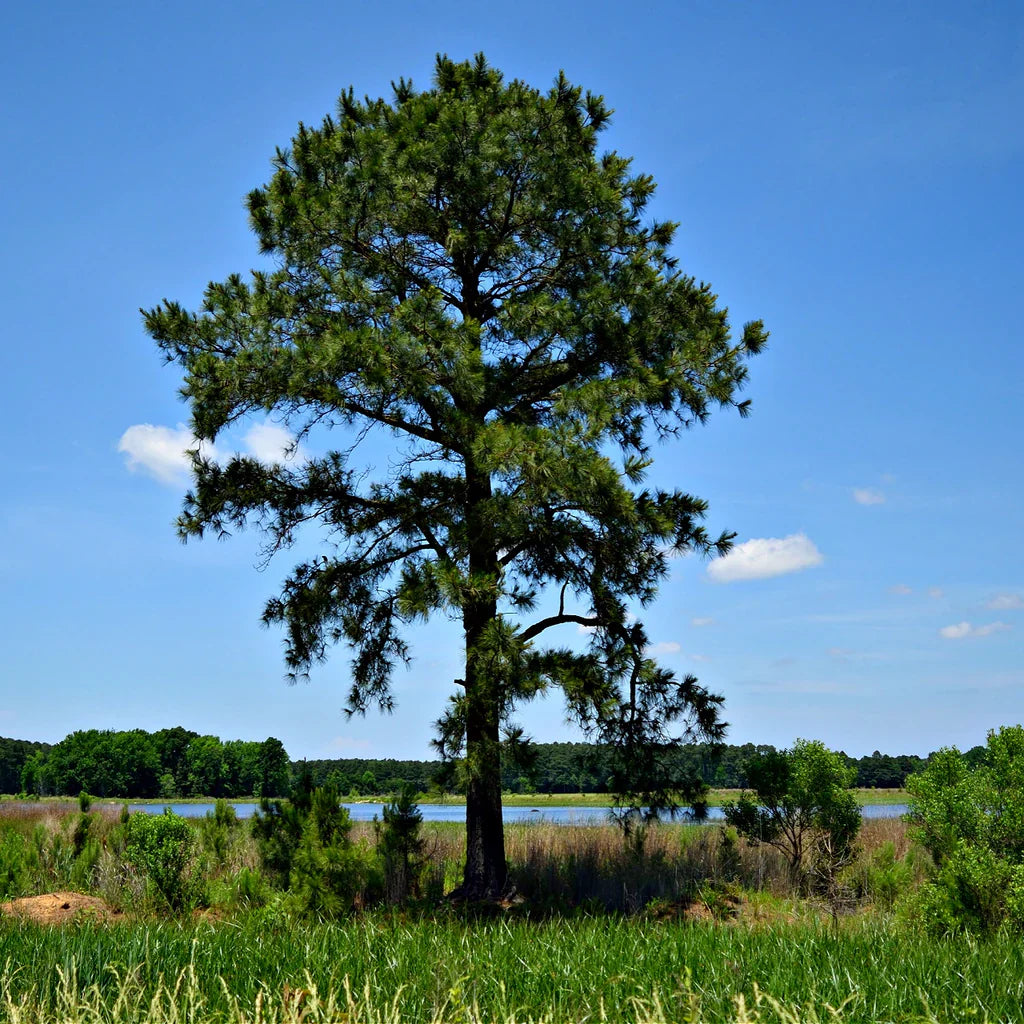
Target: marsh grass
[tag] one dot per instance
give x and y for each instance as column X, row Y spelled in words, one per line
column 390, row 968
column 601, row 937
column 557, row 869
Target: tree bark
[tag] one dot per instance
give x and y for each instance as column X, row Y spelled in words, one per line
column 486, row 872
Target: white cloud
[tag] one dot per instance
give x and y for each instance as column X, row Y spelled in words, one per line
column 936, row 592
column 1006, row 602
column 586, row 629
column 964, row 629
column 706, row 621
column 665, row 647
column 868, row 496
column 902, row 589
column 160, row 451
column 764, row 557
column 700, row 657
column 269, row 443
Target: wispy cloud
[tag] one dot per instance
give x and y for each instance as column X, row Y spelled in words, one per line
column 902, row 589
column 936, row 592
column 868, row 496
column 702, row 621
column 1006, row 602
column 765, row 557
column 665, row 647
column 960, row 630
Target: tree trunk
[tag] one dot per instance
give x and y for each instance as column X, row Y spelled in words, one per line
column 486, row 874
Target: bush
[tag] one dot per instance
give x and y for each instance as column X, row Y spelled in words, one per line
column 400, row 846
column 216, row 831
column 14, row 868
column 305, row 845
column 971, row 820
column 330, row 878
column 161, row 846
column 883, row 877
column 802, row 805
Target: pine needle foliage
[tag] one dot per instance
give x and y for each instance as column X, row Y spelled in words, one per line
column 463, row 275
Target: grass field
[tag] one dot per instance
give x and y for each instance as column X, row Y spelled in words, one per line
column 443, row 968
column 688, row 924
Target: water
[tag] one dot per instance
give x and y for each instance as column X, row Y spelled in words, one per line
column 457, row 812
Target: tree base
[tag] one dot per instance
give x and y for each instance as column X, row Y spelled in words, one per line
column 481, row 896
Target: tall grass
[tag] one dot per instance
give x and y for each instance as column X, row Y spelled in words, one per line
column 386, row 968
column 558, row 869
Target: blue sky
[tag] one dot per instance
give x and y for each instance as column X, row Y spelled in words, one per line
column 849, row 173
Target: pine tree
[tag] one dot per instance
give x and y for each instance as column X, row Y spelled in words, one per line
column 462, row 273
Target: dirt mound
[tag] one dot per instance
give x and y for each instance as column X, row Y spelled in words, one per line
column 59, row 908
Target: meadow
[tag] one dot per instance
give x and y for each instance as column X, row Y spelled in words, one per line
column 685, row 923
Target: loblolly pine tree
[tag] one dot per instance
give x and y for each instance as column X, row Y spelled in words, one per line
column 461, row 271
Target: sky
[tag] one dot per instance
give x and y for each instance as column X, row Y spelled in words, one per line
column 851, row 174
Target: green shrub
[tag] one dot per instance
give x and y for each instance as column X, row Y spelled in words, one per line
column 277, row 828
column 971, row 820
column 400, row 846
column 14, row 865
column 802, row 805
column 884, row 878
column 330, row 878
column 249, row 889
column 216, row 831
column 85, row 865
column 161, row 846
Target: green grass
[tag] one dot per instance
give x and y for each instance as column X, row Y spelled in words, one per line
column 444, row 968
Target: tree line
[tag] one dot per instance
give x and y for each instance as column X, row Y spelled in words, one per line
column 586, row 768
column 178, row 762
column 133, row 763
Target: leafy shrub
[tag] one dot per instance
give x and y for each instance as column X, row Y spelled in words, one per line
column 802, row 805
column 971, row 820
column 161, row 846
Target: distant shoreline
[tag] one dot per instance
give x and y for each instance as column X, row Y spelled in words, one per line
column 716, row 797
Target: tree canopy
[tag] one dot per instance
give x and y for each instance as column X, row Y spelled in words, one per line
column 460, row 271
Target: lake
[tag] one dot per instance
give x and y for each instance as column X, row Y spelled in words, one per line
column 457, row 812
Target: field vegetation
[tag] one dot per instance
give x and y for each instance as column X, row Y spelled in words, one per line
column 304, row 915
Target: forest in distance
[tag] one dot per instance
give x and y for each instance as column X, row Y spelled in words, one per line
column 179, row 762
